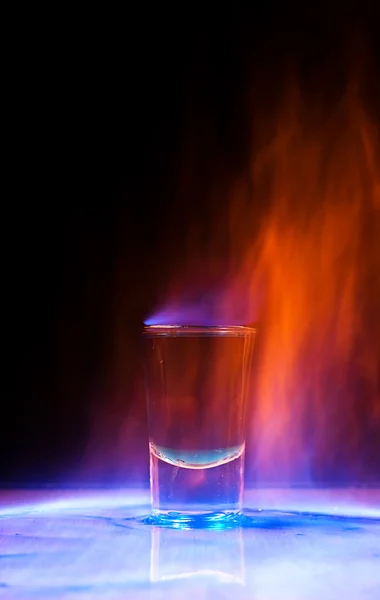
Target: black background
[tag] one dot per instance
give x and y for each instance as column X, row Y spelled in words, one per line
column 99, row 109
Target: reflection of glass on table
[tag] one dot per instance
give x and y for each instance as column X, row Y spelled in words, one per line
column 202, row 553
column 196, row 382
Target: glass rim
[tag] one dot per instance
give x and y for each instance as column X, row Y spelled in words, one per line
column 198, row 330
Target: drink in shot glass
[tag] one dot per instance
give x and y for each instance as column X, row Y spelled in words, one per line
column 196, row 383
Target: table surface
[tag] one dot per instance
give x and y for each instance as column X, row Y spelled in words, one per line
column 84, row 544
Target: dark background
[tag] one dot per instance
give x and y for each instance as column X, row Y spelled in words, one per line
column 99, row 113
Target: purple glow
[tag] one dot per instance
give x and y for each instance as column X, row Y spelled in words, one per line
column 187, row 315
column 227, row 304
column 200, row 314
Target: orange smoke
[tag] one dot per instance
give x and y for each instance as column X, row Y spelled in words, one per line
column 317, row 393
column 314, row 268
column 294, row 245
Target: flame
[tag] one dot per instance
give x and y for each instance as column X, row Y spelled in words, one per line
column 317, row 390
column 293, row 243
column 312, row 277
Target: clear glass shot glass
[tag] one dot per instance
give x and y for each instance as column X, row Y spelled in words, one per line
column 196, row 383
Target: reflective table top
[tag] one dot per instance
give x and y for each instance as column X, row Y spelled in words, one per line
column 293, row 544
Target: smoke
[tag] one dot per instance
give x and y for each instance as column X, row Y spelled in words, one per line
column 311, row 275
column 290, row 240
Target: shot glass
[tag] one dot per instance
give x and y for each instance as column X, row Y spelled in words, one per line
column 197, row 380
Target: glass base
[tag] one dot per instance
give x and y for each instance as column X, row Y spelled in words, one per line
column 189, row 495
column 196, row 519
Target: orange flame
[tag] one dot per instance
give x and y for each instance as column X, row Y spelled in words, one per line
column 295, row 245
column 317, row 389
column 317, row 258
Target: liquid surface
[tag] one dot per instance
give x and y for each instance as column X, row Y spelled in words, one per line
column 197, row 459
